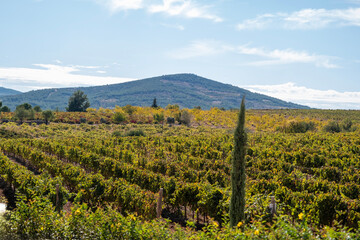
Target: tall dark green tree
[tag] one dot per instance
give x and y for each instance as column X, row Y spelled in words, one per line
column 78, row 102
column 154, row 105
column 237, row 202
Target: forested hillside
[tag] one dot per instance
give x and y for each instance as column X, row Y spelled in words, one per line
column 8, row 91
column 185, row 90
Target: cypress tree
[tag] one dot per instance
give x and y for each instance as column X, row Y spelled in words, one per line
column 154, row 105
column 237, row 202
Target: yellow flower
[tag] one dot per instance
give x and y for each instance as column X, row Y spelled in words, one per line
column 256, row 232
column 216, row 224
column 239, row 224
column 301, row 216
column 77, row 211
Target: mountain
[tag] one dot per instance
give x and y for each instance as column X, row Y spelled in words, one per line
column 8, row 91
column 186, row 90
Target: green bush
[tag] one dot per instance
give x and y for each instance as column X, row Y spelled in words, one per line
column 332, row 127
column 116, row 134
column 136, row 132
column 159, row 117
column 185, row 118
column 129, row 109
column 346, row 125
column 119, row 117
column 299, row 127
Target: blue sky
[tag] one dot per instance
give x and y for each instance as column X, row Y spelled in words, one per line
column 301, row 51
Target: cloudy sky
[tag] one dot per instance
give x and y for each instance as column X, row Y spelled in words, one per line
column 304, row 51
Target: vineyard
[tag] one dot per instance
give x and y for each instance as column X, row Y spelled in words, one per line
column 88, row 176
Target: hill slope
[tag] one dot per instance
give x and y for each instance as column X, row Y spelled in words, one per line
column 186, row 90
column 8, row 91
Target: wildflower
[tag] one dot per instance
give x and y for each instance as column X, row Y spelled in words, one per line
column 239, row 224
column 77, row 212
column 301, row 216
column 256, row 232
column 216, row 224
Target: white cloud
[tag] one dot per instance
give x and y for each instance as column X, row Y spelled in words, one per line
column 286, row 56
column 200, row 49
column 268, row 57
column 305, row 19
column 50, row 75
column 184, row 8
column 327, row 99
column 121, row 5
column 175, row 26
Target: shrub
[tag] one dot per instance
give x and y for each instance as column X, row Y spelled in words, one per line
column 103, row 120
column 346, row 125
column 136, row 132
column 159, row 117
column 175, row 106
column 185, row 118
column 116, row 134
column 129, row 109
column 299, row 127
column 332, row 127
column 119, row 117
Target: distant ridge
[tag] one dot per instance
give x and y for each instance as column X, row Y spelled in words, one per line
column 8, row 91
column 186, row 90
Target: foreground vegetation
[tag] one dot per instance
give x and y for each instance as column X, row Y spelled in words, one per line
column 99, row 177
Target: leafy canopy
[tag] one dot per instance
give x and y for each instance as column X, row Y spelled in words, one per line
column 78, row 102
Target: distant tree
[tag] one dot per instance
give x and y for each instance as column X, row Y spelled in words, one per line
column 237, row 201
column 0, row 104
column 197, row 107
column 175, row 106
column 26, row 106
column 78, row 102
column 37, row 109
column 5, row 109
column 48, row 115
column 154, row 105
column 22, row 113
